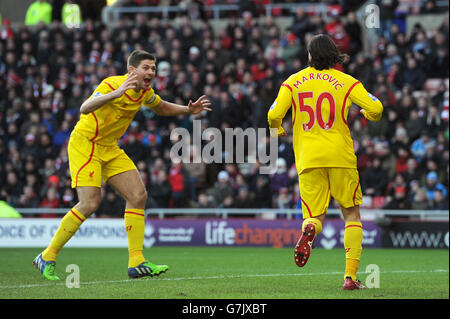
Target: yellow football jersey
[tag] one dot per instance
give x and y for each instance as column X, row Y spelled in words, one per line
column 320, row 102
column 109, row 122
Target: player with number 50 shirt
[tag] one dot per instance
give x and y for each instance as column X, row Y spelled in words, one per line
column 320, row 101
column 320, row 97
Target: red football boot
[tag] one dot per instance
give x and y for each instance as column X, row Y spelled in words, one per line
column 304, row 245
column 350, row 284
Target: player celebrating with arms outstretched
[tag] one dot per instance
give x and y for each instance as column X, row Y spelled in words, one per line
column 320, row 97
column 95, row 156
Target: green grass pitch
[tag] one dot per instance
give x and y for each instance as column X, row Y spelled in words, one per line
column 227, row 273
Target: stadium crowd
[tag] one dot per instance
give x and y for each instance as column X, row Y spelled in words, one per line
column 47, row 71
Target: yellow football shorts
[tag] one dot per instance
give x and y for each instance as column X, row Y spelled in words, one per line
column 90, row 163
column 318, row 184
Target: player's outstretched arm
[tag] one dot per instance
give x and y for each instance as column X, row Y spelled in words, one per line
column 278, row 110
column 171, row 109
column 92, row 104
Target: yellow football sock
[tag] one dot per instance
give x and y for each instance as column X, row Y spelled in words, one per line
column 315, row 221
column 67, row 228
column 353, row 236
column 135, row 227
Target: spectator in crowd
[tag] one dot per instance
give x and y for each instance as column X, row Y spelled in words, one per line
column 365, row 151
column 204, row 201
column 112, row 205
column 223, row 188
column 360, row 68
column 411, row 173
column 228, row 202
column 432, row 185
column 439, row 64
column 353, row 29
column 414, row 125
column 50, row 201
column 263, row 193
column 420, row 200
column 433, row 121
column 399, row 200
column 375, row 179
column 161, row 190
column 196, row 173
column 29, row 198
column 280, row 179
column 284, row 199
column 244, row 198
column 134, row 147
column 402, row 159
column 6, row 32
column 7, row 211
column 38, row 11
column 439, row 201
column 387, row 15
column 399, row 181
column 420, row 145
column 62, row 135
column 429, row 7
column 12, row 188
column 414, row 75
column 46, row 148
column 68, row 198
column 387, row 158
column 301, row 23
column 290, row 50
column 178, row 181
column 30, row 147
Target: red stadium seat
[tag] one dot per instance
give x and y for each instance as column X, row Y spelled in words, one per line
column 378, row 202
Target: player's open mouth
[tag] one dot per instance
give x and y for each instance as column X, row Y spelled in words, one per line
column 147, row 81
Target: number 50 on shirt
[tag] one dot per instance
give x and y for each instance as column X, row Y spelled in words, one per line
column 315, row 112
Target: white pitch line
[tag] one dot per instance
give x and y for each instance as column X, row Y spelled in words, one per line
column 219, row 277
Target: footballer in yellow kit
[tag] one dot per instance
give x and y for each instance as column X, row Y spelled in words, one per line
column 94, row 156
column 93, row 150
column 320, row 97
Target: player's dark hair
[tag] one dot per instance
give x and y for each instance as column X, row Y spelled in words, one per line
column 324, row 52
column 137, row 56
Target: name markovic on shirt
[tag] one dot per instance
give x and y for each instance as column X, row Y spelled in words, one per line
column 320, row 76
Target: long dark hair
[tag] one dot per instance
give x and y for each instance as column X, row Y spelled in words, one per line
column 324, row 52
